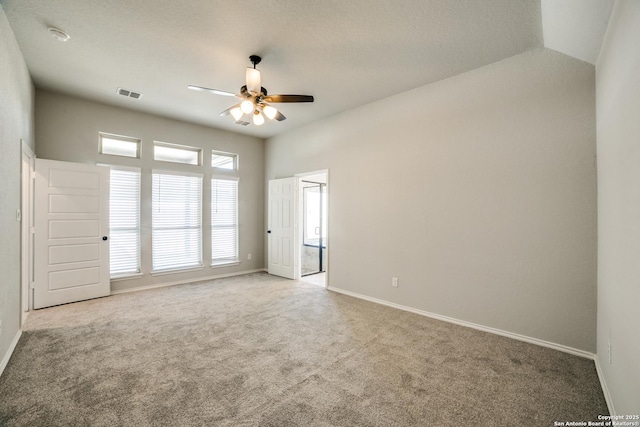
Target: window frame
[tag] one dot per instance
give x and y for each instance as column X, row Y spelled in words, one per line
column 234, row 157
column 139, row 272
column 199, row 264
column 170, row 145
column 123, row 138
column 225, row 262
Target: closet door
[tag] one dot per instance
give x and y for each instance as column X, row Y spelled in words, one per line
column 71, row 232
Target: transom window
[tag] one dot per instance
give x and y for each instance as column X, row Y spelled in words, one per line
column 220, row 160
column 174, row 153
column 117, row 145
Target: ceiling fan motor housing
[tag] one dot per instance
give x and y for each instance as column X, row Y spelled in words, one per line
column 244, row 92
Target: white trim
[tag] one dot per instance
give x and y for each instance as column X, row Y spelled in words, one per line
column 126, row 277
column 605, row 389
column 120, row 167
column 185, row 281
column 177, row 270
column 27, row 200
column 224, row 154
column 27, row 149
column 216, row 175
column 171, row 145
column 225, row 264
column 122, row 138
column 531, row 340
column 176, row 172
column 9, row 353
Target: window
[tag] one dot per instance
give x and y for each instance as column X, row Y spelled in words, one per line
column 176, row 153
column 176, row 221
column 116, row 145
column 124, row 221
column 222, row 160
column 224, row 221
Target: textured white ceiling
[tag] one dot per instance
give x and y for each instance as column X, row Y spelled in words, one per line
column 345, row 53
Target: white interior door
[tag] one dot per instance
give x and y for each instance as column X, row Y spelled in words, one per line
column 71, row 229
column 281, row 227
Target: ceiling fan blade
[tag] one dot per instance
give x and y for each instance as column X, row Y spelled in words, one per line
column 253, row 80
column 228, row 110
column 289, row 98
column 216, row 91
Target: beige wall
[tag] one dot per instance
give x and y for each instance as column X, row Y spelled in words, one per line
column 16, row 123
column 618, row 108
column 477, row 192
column 67, row 129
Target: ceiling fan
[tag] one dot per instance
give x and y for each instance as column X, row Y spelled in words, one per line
column 256, row 101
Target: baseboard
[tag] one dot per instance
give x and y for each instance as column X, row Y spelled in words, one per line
column 605, row 389
column 531, row 340
column 12, row 347
column 185, row 281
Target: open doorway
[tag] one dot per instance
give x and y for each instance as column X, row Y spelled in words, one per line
column 313, row 220
column 313, row 228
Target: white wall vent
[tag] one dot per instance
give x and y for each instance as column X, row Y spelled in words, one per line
column 129, row 93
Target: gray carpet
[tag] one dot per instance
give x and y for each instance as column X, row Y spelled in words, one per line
column 259, row 350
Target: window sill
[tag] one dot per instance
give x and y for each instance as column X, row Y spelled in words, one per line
column 126, row 277
column 225, row 264
column 176, row 271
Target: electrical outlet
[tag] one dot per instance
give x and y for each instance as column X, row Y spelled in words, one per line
column 249, row 256
column 394, row 282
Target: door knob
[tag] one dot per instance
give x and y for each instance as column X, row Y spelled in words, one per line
column 104, row 237
column 268, row 231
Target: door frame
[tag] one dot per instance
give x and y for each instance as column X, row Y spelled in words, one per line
column 299, row 215
column 27, row 229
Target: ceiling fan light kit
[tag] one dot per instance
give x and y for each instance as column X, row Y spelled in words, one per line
column 255, row 99
column 270, row 111
column 258, row 119
column 247, row 106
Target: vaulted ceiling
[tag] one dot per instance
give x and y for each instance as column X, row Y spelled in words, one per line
column 344, row 53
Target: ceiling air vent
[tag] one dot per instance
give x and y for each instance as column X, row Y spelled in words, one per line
column 129, row 93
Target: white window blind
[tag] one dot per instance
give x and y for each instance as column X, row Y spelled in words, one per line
column 176, row 221
column 124, row 222
column 224, row 221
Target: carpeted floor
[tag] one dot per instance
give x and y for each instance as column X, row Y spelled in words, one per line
column 260, row 350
